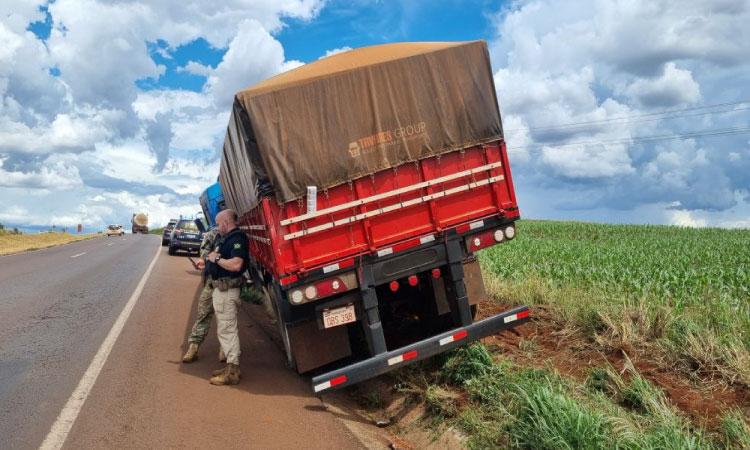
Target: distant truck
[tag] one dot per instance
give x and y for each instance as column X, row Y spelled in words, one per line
column 140, row 223
column 366, row 182
column 212, row 202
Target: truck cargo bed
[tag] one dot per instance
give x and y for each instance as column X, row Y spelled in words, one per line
column 384, row 213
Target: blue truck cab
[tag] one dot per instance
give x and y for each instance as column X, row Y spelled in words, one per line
column 212, row 202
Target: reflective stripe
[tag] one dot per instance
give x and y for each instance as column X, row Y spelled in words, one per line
column 385, row 251
column 322, row 386
column 471, row 226
column 259, row 239
column 406, row 204
column 402, row 358
column 331, row 268
column 476, row 225
column 373, row 198
column 454, row 337
column 427, row 239
column 515, row 317
column 330, row 383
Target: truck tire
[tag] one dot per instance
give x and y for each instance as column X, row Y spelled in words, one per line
column 273, row 295
column 171, row 250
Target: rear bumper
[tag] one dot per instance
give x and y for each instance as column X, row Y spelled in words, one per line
column 184, row 245
column 384, row 362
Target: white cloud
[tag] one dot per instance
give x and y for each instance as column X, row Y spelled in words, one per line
column 18, row 14
column 14, row 214
column 607, row 67
column 67, row 133
column 685, row 219
column 11, row 43
column 204, row 131
column 89, row 129
column 182, row 103
column 335, row 51
column 196, row 68
column 253, row 55
column 588, row 161
column 53, row 178
column 744, row 224
column 674, row 87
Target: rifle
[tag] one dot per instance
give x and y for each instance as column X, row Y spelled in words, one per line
column 195, row 264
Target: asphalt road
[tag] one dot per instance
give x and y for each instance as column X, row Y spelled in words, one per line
column 58, row 306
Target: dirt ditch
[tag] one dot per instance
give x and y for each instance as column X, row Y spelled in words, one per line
column 545, row 340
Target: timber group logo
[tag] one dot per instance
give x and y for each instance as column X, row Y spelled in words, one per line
column 354, row 149
column 368, row 144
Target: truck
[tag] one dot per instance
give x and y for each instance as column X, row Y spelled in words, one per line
column 212, row 202
column 139, row 223
column 366, row 183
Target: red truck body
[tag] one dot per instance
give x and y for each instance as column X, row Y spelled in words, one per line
column 402, row 147
column 389, row 212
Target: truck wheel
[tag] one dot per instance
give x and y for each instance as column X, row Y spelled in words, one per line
column 171, row 250
column 273, row 296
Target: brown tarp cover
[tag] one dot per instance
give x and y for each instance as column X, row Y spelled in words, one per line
column 355, row 113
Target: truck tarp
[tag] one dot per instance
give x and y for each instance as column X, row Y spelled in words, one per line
column 140, row 219
column 356, row 113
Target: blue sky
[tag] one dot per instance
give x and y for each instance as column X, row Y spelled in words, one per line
column 339, row 25
column 359, row 24
column 109, row 108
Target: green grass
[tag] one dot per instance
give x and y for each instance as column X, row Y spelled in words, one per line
column 251, row 295
column 548, row 418
column 510, row 406
column 678, row 295
column 158, row 231
column 734, row 431
column 686, row 290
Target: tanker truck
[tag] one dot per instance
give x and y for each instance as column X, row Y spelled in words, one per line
column 140, row 223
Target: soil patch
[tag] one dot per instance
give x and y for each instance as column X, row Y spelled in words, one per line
column 546, row 340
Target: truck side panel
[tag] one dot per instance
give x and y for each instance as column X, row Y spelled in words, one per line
column 456, row 188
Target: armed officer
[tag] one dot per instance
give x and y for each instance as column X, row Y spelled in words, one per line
column 205, row 310
column 225, row 265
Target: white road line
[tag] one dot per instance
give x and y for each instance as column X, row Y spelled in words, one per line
column 109, row 243
column 80, row 254
column 67, row 417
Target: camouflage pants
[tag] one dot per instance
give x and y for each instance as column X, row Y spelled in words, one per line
column 203, row 316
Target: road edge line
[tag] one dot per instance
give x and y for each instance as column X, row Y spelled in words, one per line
column 68, row 415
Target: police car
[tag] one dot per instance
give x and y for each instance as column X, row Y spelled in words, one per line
column 187, row 235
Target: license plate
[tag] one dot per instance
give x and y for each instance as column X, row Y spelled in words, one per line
column 339, row 316
column 191, row 236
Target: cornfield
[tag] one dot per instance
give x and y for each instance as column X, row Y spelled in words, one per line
column 678, row 265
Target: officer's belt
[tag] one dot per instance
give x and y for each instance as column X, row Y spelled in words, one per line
column 224, row 283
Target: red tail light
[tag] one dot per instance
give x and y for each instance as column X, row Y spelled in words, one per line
column 436, row 273
column 413, row 281
column 329, row 287
column 394, row 286
column 481, row 240
column 321, row 289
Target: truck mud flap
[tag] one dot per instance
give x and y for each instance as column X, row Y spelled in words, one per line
column 380, row 364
